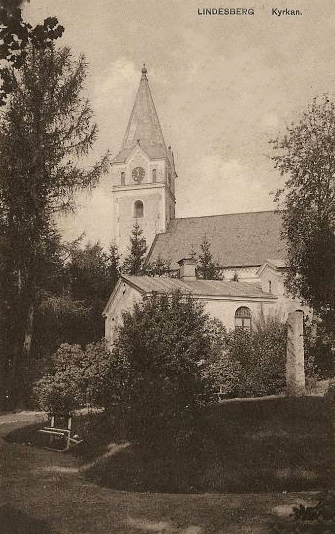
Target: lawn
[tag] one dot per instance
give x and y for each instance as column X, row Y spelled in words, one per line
column 278, row 444
column 43, row 492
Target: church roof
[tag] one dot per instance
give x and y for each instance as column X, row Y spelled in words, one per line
column 143, row 126
column 200, row 288
column 236, row 240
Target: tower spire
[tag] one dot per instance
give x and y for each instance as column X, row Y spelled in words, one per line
column 143, row 125
column 143, row 173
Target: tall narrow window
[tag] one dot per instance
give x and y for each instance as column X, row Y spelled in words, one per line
column 138, row 209
column 243, row 318
column 270, row 286
column 154, row 175
column 123, row 178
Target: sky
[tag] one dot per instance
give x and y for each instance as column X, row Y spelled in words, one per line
column 223, row 86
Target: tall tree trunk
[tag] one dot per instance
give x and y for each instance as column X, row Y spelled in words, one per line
column 2, row 380
column 28, row 334
column 26, row 360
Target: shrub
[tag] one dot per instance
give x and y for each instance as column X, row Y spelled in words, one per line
column 319, row 519
column 160, row 349
column 251, row 364
column 76, row 377
column 265, row 371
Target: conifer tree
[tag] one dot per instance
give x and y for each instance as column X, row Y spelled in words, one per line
column 45, row 129
column 133, row 264
column 159, row 267
column 16, row 36
column 207, row 269
column 114, row 263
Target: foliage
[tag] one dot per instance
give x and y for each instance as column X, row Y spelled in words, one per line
column 220, row 369
column 251, row 364
column 318, row 519
column 319, row 356
column 91, row 275
column 266, row 373
column 60, row 391
column 305, row 155
column 160, row 347
column 159, row 267
column 133, row 263
column 225, row 373
column 17, row 36
column 114, row 262
column 207, row 269
column 45, row 128
column 76, row 377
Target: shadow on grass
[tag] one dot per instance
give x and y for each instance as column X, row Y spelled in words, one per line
column 15, row 521
column 281, row 444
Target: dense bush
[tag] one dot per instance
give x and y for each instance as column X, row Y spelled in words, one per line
column 160, row 349
column 319, row 519
column 319, row 354
column 251, row 364
column 77, row 377
column 221, row 369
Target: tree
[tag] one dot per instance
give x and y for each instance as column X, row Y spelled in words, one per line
column 161, row 347
column 133, row 264
column 305, row 155
column 114, row 263
column 207, row 269
column 92, row 274
column 45, row 129
column 159, row 267
column 16, row 36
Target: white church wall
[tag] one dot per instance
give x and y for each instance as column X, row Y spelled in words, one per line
column 225, row 310
column 124, row 300
column 244, row 273
column 153, row 220
column 273, row 281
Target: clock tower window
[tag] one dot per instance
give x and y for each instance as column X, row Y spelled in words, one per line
column 138, row 209
column 123, row 178
column 154, row 176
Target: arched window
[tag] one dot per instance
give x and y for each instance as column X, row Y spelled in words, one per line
column 243, row 318
column 154, row 175
column 138, row 209
column 123, row 178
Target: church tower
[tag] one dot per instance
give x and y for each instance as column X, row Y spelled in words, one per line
column 143, row 174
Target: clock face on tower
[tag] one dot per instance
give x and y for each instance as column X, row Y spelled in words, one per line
column 138, row 174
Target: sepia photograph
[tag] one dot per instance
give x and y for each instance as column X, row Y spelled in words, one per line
column 167, row 267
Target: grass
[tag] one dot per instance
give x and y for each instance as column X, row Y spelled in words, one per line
column 45, row 491
column 282, row 444
column 15, row 521
column 278, row 444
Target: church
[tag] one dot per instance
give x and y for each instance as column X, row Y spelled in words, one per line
column 247, row 246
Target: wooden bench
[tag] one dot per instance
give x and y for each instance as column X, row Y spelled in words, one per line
column 62, row 434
